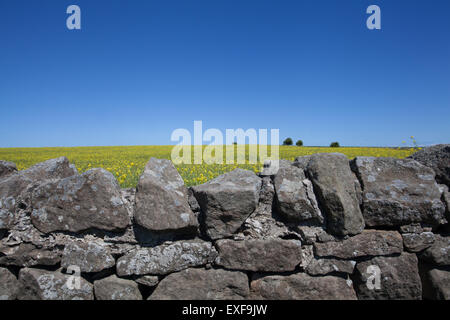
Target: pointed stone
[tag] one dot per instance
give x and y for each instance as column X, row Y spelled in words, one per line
column 162, row 199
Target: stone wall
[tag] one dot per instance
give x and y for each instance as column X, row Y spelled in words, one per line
column 322, row 227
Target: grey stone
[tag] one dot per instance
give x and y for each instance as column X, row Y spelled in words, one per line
column 271, row 255
column 9, row 286
column 311, row 234
column 202, row 284
column 399, row 278
column 80, row 202
column 6, row 168
column 302, row 162
column 295, row 199
column 416, row 242
column 166, row 258
column 411, row 228
column 398, row 192
column 15, row 187
column 439, row 281
column 319, row 267
column 227, row 201
column 437, row 158
column 368, row 243
column 301, row 286
column 439, row 252
column 148, row 281
column 162, row 199
column 89, row 256
column 114, row 288
column 28, row 255
column 36, row 284
column 337, row 190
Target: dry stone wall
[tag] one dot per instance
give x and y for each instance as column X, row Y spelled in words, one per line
column 322, row 227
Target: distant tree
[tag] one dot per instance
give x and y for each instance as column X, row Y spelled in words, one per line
column 287, row 142
column 334, row 145
column 235, row 142
column 299, row 143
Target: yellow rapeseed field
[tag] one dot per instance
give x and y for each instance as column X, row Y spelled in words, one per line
column 126, row 163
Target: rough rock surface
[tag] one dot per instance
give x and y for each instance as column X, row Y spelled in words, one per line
column 36, row 284
column 399, row 278
column 114, row 288
column 416, row 242
column 80, row 202
column 16, row 186
column 295, row 199
column 227, row 201
column 162, row 199
column 202, row 284
column 148, row 281
column 337, row 191
column 398, row 192
column 439, row 282
column 368, row 243
column 28, row 255
column 88, row 256
column 301, row 286
column 438, row 158
column 439, row 252
column 6, row 168
column 9, row 286
column 318, row 267
column 166, row 258
column 274, row 255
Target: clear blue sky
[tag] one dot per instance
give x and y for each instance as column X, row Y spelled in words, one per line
column 140, row 69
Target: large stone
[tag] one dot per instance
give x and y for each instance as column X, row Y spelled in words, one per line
column 439, row 284
column 114, row 288
column 88, row 256
column 227, row 201
column 399, row 278
column 319, row 267
column 9, row 286
column 271, row 255
column 301, row 286
column 416, row 242
column 202, row 284
column 15, row 187
column 295, row 199
column 16, row 182
column 398, row 192
column 368, row 243
column 162, row 199
column 80, row 202
column 438, row 158
column 337, row 190
column 36, row 284
column 6, row 168
column 28, row 255
column 166, row 258
column 439, row 252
